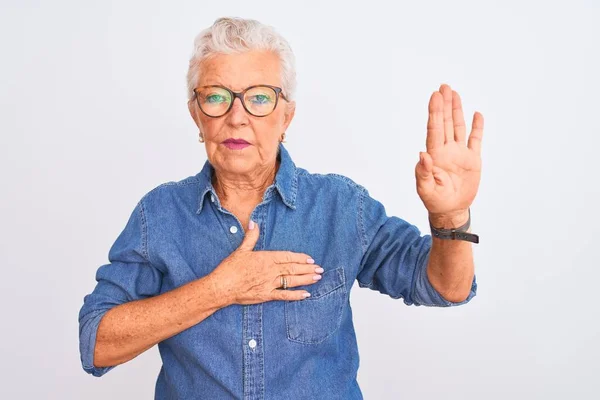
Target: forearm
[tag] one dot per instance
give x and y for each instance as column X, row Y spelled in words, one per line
column 129, row 329
column 450, row 269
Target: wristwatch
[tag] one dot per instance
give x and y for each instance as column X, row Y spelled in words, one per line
column 459, row 233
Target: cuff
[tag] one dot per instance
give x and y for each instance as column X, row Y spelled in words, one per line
column 87, row 344
column 424, row 292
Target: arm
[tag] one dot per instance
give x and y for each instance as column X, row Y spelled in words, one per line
column 448, row 176
column 399, row 261
column 125, row 314
column 450, row 269
column 396, row 257
column 130, row 329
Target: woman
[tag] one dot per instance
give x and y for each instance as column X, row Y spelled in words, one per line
column 242, row 273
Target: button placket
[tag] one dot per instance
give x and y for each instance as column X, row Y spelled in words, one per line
column 253, row 355
column 233, row 229
column 253, row 335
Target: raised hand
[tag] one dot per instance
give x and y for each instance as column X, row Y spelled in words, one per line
column 449, row 172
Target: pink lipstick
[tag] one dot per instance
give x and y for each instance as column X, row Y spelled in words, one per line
column 235, row 144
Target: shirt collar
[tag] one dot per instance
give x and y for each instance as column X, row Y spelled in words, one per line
column 286, row 180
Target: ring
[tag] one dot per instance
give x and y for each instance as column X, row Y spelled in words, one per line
column 283, row 281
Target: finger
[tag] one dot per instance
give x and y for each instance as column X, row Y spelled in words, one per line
column 424, row 173
column 250, row 238
column 298, row 280
column 298, row 269
column 289, row 295
column 476, row 133
column 435, row 123
column 448, row 124
column 282, row 257
column 458, row 118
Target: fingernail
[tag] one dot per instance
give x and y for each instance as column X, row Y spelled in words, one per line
column 316, row 277
column 306, row 294
column 421, row 159
column 251, row 224
column 310, row 261
column 319, row 270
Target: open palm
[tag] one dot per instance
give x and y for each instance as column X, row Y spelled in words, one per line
column 449, row 172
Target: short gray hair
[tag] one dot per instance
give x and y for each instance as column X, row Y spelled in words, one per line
column 236, row 35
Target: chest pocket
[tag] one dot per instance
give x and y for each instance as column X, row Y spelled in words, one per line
column 317, row 317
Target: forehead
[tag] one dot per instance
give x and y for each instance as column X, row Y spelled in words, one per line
column 238, row 71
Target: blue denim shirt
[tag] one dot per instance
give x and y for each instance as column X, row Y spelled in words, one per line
column 304, row 349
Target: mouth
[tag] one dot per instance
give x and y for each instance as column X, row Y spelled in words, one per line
column 235, row 144
column 235, row 141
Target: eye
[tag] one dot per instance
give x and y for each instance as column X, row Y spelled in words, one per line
column 260, row 99
column 215, row 98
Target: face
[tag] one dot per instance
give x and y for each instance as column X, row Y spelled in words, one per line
column 237, row 72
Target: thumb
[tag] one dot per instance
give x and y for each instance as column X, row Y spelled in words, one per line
column 424, row 173
column 251, row 237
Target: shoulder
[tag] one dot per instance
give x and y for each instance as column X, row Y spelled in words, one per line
column 186, row 189
column 328, row 181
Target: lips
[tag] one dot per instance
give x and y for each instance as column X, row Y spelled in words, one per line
column 236, row 144
column 236, row 141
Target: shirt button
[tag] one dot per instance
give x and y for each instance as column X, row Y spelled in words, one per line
column 212, row 198
column 252, row 343
column 233, row 229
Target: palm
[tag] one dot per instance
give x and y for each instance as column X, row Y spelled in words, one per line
column 449, row 180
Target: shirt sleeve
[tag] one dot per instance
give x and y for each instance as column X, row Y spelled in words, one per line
column 128, row 276
column 395, row 257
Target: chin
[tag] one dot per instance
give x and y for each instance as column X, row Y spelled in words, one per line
column 237, row 162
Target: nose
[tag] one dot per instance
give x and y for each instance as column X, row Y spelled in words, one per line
column 237, row 115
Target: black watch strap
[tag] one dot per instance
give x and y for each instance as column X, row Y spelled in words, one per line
column 459, row 233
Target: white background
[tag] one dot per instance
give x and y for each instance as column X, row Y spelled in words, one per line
column 93, row 115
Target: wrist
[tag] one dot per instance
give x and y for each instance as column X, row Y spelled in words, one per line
column 220, row 294
column 451, row 220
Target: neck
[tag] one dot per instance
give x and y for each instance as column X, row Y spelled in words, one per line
column 236, row 188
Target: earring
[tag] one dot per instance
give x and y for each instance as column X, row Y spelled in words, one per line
column 201, row 138
column 283, row 138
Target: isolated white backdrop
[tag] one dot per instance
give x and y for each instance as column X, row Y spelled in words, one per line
column 93, row 115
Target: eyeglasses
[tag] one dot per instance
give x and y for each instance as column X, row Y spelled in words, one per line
column 259, row 100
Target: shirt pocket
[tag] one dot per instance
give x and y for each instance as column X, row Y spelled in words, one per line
column 317, row 317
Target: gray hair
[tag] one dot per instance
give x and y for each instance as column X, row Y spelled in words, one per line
column 236, row 35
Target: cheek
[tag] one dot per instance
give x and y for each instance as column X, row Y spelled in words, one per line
column 274, row 122
column 267, row 128
column 210, row 126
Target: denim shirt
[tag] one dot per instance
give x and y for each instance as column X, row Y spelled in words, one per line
column 305, row 349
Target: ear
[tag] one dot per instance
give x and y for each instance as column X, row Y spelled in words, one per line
column 290, row 110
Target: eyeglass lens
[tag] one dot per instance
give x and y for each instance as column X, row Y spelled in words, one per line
column 215, row 101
